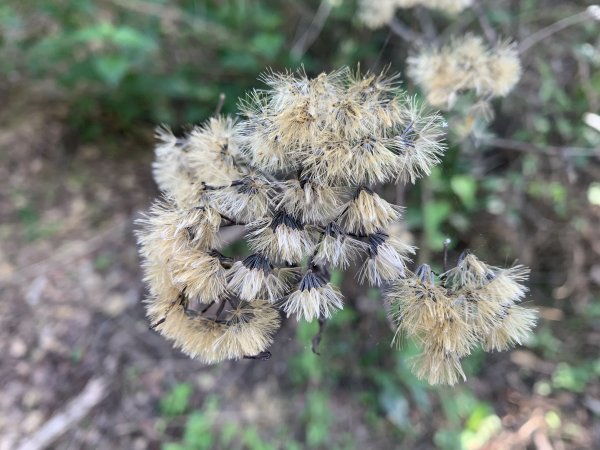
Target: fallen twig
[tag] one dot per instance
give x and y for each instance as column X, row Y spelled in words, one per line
column 93, row 393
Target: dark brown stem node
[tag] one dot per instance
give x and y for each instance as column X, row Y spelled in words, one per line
column 262, row 356
column 316, row 340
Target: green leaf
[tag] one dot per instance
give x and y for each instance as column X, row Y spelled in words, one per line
column 176, row 401
column 481, row 411
column 198, row 432
column 465, row 187
column 253, row 441
column 173, row 446
column 435, row 214
column 267, row 44
column 318, row 419
column 111, row 68
column 228, row 433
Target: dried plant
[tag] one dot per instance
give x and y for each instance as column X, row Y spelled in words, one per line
column 466, row 64
column 377, row 13
column 474, row 304
column 299, row 174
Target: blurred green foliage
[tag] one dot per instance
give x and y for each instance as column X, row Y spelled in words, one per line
column 121, row 62
column 176, row 401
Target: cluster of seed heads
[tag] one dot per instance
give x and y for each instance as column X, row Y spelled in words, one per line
column 465, row 64
column 378, row 13
column 297, row 175
column 473, row 305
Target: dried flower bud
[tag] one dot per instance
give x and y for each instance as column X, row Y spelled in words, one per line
column 206, row 155
column 282, row 238
column 367, row 213
column 426, row 311
column 336, row 248
column 438, row 367
column 255, row 277
column 448, row 6
column 515, row 326
column 245, row 329
column 387, row 259
column 244, row 200
column 315, row 298
column 310, row 201
column 377, row 13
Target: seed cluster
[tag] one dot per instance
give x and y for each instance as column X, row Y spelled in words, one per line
column 474, row 304
column 297, row 176
column 377, row 13
column 465, row 64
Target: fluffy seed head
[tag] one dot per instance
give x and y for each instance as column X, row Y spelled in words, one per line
column 377, row 13
column 315, row 298
column 287, row 173
column 465, row 64
column 244, row 330
column 438, row 367
column 282, row 238
column 336, row 248
column 473, row 305
column 367, row 213
column 515, row 326
column 422, row 310
column 255, row 277
column 206, row 155
column 311, row 202
column 245, row 200
column 387, row 259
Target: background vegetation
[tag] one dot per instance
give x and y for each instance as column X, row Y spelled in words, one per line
column 83, row 85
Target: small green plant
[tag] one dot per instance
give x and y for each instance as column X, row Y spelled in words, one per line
column 177, row 400
column 318, row 418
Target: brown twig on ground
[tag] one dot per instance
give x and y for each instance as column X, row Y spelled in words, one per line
column 75, row 411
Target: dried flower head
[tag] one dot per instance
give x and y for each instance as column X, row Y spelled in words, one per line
column 225, row 332
column 466, row 64
column 473, row 304
column 255, row 277
column 310, row 201
column 387, row 259
column 336, row 248
column 377, row 13
column 282, row 238
column 513, row 328
column 448, row 6
column 298, row 174
column 206, row 155
column 315, row 297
